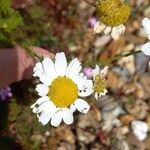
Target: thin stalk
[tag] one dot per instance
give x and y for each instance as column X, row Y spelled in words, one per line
column 108, row 61
column 124, row 55
column 29, row 49
column 119, row 56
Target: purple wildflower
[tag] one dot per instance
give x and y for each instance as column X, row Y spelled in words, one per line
column 5, row 93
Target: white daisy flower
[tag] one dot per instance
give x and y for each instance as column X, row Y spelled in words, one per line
column 115, row 32
column 146, row 47
column 99, row 81
column 61, row 87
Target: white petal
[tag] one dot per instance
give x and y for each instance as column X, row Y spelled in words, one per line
column 98, row 95
column 99, row 27
column 73, row 69
column 38, row 102
column 104, row 93
column 45, row 118
column 67, row 116
column 57, row 118
column 146, row 25
column 103, row 72
column 42, row 89
column 146, row 48
column 40, row 72
column 42, row 99
column 60, row 64
column 47, row 107
column 82, row 106
column 45, row 79
column 49, row 68
column 117, row 31
column 85, row 87
column 107, row 30
column 72, row 108
column 47, row 110
column 96, row 71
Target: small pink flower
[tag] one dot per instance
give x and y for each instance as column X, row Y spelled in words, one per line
column 92, row 21
column 88, row 72
column 5, row 93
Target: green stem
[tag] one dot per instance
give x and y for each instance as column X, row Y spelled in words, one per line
column 108, row 61
column 29, row 49
column 125, row 55
column 119, row 56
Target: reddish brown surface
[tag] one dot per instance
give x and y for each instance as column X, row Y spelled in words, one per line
column 16, row 64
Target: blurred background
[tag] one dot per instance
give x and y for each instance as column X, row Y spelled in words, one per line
column 67, row 26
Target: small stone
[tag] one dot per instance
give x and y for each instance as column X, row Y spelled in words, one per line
column 127, row 119
column 140, row 129
column 147, row 12
column 128, row 62
column 134, row 143
column 47, row 133
column 147, row 143
column 37, row 137
column 92, row 118
column 85, row 136
column 148, row 121
column 137, row 109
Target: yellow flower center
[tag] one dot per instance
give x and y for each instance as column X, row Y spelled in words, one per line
column 113, row 12
column 99, row 84
column 63, row 92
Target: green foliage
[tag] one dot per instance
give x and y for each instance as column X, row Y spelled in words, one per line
column 10, row 19
column 14, row 110
column 3, row 112
column 36, row 12
column 31, row 24
column 46, row 40
column 4, row 6
column 37, row 26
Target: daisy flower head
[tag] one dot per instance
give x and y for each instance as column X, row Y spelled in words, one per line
column 99, row 84
column 112, row 15
column 61, row 90
column 146, row 27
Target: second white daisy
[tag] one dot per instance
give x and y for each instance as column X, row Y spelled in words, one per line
column 99, row 81
column 61, row 87
column 112, row 15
